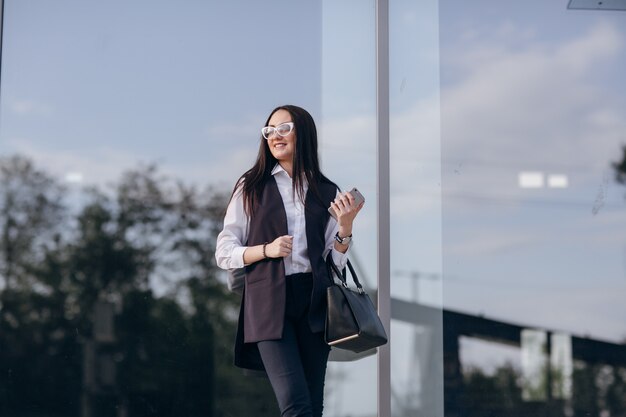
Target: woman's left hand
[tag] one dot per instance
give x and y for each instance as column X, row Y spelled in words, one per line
column 346, row 211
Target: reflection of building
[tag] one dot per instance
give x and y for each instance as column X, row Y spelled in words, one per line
column 455, row 325
column 99, row 366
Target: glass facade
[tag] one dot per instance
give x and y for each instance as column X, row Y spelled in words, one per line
column 348, row 143
column 533, row 220
column 124, row 126
column 416, row 258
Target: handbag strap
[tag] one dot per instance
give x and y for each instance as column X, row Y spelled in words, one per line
column 342, row 274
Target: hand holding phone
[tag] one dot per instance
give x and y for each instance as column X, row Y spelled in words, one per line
column 358, row 199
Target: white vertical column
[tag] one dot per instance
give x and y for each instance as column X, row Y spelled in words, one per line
column 383, row 185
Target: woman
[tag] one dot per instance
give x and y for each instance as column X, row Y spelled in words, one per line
column 278, row 227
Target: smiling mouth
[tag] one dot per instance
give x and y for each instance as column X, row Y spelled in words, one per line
column 280, row 145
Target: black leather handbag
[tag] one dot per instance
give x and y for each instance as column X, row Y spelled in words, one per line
column 352, row 322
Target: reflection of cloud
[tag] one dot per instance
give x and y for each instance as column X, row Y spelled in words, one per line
column 512, row 104
column 104, row 165
column 488, row 241
column 532, row 103
column 353, row 135
column 101, row 166
column 250, row 128
column 524, row 103
column 30, row 107
column 414, row 149
column 222, row 171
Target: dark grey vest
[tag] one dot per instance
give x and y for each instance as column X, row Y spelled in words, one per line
column 263, row 304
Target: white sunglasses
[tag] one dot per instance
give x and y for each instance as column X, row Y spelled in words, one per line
column 282, row 130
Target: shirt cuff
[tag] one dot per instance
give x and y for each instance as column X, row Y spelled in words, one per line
column 340, row 259
column 237, row 257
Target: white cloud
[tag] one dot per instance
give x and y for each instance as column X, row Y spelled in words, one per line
column 533, row 103
column 100, row 166
column 488, row 241
column 517, row 103
column 25, row 107
column 250, row 127
column 414, row 154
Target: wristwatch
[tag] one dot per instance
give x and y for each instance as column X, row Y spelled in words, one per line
column 343, row 240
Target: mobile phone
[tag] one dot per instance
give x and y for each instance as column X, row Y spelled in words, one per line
column 358, row 199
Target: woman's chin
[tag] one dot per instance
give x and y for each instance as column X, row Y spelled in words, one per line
column 281, row 156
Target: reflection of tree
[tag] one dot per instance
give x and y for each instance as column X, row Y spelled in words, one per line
column 597, row 390
column 31, row 207
column 492, row 395
column 169, row 354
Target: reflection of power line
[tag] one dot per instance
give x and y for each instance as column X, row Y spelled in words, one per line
column 509, row 164
column 479, row 282
column 518, row 200
column 503, row 164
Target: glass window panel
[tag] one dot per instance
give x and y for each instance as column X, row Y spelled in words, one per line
column 348, row 136
column 91, row 91
column 532, row 121
column 416, row 265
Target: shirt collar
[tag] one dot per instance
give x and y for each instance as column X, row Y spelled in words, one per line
column 277, row 168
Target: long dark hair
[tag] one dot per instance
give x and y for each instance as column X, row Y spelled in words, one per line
column 306, row 167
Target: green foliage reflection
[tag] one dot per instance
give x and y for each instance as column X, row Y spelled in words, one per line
column 111, row 305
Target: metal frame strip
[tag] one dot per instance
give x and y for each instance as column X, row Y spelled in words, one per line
column 383, row 194
column 1, row 32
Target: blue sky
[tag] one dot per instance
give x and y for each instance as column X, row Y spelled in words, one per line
column 153, row 81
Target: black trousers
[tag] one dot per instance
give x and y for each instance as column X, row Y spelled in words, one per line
column 296, row 364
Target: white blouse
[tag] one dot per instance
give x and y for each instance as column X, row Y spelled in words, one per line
column 230, row 241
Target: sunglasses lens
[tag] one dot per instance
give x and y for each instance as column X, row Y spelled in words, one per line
column 283, row 129
column 267, row 131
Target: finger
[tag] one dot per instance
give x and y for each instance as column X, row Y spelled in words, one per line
column 339, row 209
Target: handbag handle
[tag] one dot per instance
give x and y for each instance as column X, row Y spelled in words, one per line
column 342, row 274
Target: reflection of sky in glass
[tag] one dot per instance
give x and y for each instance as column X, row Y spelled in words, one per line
column 534, row 92
column 94, row 87
column 90, row 90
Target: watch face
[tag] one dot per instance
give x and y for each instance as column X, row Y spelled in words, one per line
column 343, row 240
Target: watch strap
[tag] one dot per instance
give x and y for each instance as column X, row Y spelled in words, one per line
column 343, row 240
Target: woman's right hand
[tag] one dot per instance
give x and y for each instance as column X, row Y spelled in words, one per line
column 280, row 247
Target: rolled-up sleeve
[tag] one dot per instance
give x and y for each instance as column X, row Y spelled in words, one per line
column 230, row 242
